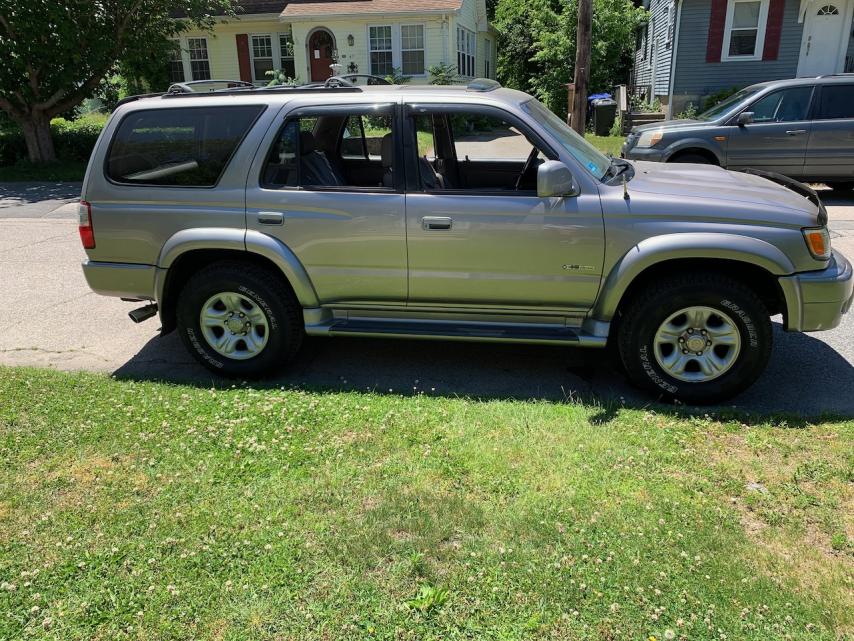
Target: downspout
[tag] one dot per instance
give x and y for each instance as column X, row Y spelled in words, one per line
column 673, row 59
column 446, row 27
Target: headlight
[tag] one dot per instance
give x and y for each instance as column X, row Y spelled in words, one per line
column 650, row 138
column 818, row 242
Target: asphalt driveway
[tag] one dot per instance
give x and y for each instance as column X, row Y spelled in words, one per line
column 49, row 318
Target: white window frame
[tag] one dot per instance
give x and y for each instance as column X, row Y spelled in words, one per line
column 279, row 54
column 760, row 32
column 468, row 49
column 188, row 61
column 394, row 63
column 182, row 58
column 272, row 57
column 487, row 58
column 401, row 49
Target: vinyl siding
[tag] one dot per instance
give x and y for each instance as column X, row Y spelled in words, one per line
column 656, row 66
column 695, row 78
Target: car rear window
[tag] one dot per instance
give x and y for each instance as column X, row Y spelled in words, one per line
column 187, row 147
column 837, row 101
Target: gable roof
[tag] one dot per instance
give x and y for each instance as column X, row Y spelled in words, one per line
column 310, row 8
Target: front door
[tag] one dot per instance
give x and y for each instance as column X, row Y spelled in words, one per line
column 478, row 236
column 777, row 138
column 824, row 29
column 320, row 47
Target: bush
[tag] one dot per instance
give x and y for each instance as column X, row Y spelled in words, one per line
column 719, row 96
column 73, row 139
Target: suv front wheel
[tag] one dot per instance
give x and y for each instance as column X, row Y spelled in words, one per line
column 239, row 319
column 698, row 338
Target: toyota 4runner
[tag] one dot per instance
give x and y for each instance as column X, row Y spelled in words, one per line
column 248, row 218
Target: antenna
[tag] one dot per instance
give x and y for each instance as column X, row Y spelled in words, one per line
column 625, row 188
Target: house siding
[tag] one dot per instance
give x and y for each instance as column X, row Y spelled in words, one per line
column 695, row 78
column 655, row 68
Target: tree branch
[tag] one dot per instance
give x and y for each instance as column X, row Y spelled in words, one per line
column 5, row 23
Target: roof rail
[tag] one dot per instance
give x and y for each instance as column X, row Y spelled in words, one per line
column 483, row 84
column 835, row 75
column 189, row 87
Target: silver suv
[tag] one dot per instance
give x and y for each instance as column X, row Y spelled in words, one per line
column 249, row 218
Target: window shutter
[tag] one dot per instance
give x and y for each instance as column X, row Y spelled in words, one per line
column 773, row 29
column 717, row 24
column 243, row 62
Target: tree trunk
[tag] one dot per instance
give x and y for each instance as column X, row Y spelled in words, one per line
column 36, row 129
column 582, row 64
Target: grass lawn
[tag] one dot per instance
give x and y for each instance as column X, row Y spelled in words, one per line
column 59, row 171
column 606, row 144
column 137, row 510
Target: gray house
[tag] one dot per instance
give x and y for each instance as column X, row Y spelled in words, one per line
column 693, row 48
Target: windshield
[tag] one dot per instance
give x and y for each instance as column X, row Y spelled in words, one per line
column 723, row 107
column 585, row 153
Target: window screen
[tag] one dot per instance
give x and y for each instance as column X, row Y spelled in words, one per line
column 837, row 101
column 187, row 147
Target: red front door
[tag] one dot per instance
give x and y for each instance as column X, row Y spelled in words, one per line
column 320, row 46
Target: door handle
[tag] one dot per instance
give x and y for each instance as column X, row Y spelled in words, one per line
column 796, row 132
column 436, row 223
column 271, row 218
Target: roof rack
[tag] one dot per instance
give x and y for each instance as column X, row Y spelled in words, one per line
column 483, row 84
column 835, row 75
column 189, row 87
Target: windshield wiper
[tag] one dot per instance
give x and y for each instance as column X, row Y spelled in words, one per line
column 617, row 167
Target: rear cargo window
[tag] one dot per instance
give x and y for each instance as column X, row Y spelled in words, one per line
column 188, row 147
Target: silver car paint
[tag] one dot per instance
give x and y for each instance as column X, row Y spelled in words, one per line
column 529, row 260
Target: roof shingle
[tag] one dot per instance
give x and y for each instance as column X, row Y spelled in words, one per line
column 307, row 8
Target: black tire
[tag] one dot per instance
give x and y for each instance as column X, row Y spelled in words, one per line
column 841, row 186
column 266, row 289
column 697, row 159
column 652, row 306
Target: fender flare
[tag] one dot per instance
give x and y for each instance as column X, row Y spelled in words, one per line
column 659, row 249
column 686, row 144
column 207, row 238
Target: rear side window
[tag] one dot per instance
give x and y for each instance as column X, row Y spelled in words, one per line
column 837, row 101
column 187, row 147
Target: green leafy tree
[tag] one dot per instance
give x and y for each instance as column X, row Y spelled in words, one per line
column 56, row 53
column 537, row 45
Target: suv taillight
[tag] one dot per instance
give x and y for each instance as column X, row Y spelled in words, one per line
column 84, row 220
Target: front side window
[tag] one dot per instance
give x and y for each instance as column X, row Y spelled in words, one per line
column 381, row 50
column 412, row 49
column 262, row 57
column 745, row 29
column 837, row 101
column 200, row 66
column 187, row 147
column 465, row 52
column 787, row 105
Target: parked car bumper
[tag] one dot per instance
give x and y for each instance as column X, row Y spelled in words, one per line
column 125, row 280
column 642, row 153
column 817, row 300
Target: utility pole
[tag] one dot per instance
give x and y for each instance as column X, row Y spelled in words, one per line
column 582, row 64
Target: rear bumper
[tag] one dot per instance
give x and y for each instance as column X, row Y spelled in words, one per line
column 817, row 300
column 125, row 280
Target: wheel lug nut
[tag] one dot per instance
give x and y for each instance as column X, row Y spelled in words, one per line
column 690, row 330
column 699, row 353
column 709, row 343
column 684, row 351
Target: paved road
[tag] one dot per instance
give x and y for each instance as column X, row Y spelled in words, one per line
column 50, row 318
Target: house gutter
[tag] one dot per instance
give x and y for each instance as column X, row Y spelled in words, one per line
column 341, row 16
column 673, row 59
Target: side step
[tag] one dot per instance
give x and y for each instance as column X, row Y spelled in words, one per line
column 462, row 331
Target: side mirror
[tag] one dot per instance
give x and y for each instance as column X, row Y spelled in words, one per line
column 555, row 179
column 744, row 118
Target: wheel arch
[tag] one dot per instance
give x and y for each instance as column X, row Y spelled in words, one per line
column 749, row 259
column 189, row 250
column 693, row 146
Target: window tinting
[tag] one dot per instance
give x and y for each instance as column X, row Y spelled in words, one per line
column 178, row 147
column 782, row 106
column 837, row 101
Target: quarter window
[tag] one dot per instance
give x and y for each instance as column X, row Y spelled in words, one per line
column 788, row 105
column 178, row 147
column 262, row 57
column 412, row 49
column 745, row 29
column 381, row 50
column 200, row 66
column 465, row 52
column 837, row 101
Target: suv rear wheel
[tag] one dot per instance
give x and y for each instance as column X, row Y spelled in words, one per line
column 239, row 319
column 698, row 338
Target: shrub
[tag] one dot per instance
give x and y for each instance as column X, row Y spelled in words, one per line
column 719, row 96
column 443, row 74
column 73, row 139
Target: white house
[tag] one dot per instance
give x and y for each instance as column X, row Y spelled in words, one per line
column 305, row 38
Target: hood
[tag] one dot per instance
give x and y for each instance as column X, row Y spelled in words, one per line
column 669, row 125
column 752, row 197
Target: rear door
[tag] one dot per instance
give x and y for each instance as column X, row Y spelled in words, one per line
column 777, row 138
column 830, row 151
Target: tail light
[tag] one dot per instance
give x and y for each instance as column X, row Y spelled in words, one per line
column 84, row 220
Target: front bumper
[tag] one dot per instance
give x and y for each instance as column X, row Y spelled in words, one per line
column 817, row 300
column 642, row 153
column 124, row 280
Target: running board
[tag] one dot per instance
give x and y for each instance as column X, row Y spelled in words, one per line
column 459, row 331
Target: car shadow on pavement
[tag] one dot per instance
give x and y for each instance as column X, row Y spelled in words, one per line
column 13, row 194
column 805, row 378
